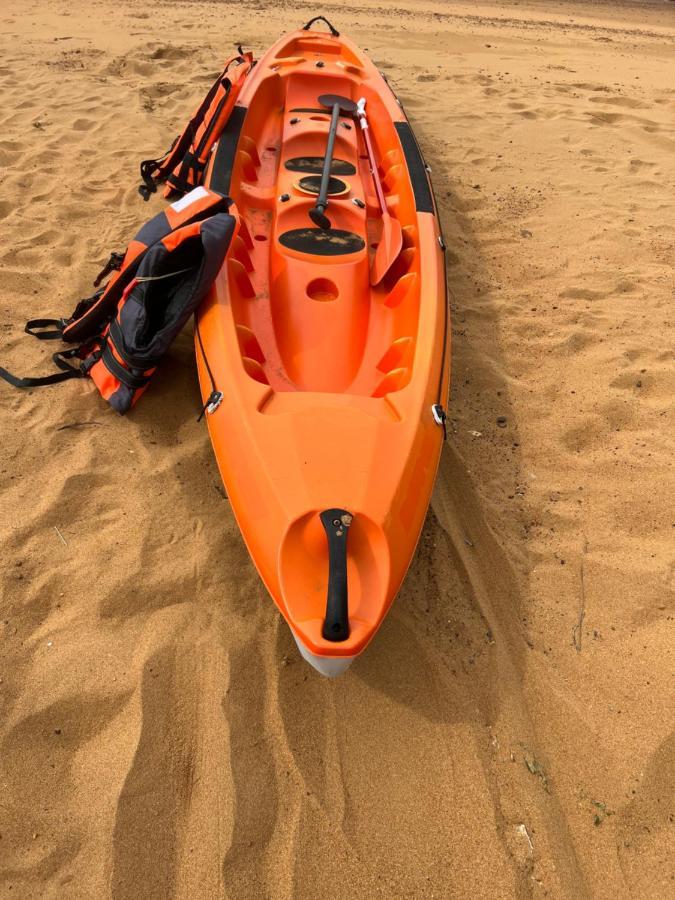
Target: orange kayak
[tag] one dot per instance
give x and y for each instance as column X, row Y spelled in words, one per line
column 325, row 365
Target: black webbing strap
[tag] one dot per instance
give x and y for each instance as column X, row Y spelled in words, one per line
column 55, row 334
column 67, row 372
column 208, row 131
column 333, row 31
column 180, row 182
column 150, row 166
column 117, row 369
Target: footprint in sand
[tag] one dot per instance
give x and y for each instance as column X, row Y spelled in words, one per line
column 627, row 381
column 623, row 286
column 575, row 343
column 593, row 432
column 170, row 53
column 636, row 164
column 10, row 152
column 83, row 125
column 128, row 66
column 604, row 118
column 619, row 101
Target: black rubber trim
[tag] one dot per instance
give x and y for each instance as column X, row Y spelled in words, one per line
column 336, row 524
column 221, row 173
column 424, row 201
column 441, row 399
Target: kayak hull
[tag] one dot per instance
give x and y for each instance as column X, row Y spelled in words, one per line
column 327, row 381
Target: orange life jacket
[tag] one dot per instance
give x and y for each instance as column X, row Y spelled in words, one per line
column 182, row 166
column 126, row 327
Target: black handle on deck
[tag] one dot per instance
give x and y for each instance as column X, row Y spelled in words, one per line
column 336, row 524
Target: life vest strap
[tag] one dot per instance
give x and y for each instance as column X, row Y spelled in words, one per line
column 180, row 180
column 182, row 166
column 67, row 372
column 56, row 334
column 117, row 369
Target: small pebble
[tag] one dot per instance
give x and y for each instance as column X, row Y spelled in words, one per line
column 501, row 421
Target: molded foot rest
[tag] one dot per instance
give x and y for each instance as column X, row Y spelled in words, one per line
column 397, row 356
column 249, row 145
column 255, row 370
column 240, row 253
column 402, row 289
column 393, row 381
column 248, row 344
column 239, row 278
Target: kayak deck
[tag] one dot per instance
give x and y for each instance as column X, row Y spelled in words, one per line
column 367, row 332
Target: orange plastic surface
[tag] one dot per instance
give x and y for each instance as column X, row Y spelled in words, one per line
column 328, row 382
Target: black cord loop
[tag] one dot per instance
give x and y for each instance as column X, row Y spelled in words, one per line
column 333, row 31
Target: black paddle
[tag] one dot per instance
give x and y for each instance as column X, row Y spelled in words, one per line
column 339, row 105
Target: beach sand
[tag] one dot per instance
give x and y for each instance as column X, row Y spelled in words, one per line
column 509, row 733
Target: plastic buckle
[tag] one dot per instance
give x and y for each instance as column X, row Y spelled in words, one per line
column 114, row 263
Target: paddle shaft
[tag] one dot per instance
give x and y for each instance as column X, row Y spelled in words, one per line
column 371, row 159
column 322, row 201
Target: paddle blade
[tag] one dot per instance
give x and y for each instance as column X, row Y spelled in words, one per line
column 388, row 249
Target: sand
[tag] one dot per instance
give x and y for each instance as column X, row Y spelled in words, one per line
column 509, row 733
